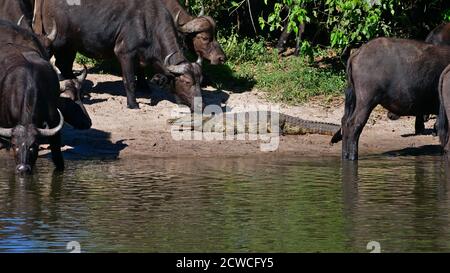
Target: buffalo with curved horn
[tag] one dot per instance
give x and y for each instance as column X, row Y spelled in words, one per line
column 29, row 93
column 71, row 103
column 199, row 32
column 438, row 36
column 17, row 11
column 9, row 133
column 134, row 38
column 71, row 88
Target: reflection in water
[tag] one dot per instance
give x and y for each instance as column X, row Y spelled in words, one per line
column 279, row 204
column 401, row 203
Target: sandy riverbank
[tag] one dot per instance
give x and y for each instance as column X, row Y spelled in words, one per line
column 122, row 133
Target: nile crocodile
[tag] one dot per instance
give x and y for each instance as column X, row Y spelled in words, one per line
column 255, row 122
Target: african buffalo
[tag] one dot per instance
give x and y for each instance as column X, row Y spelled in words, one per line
column 439, row 36
column 444, row 113
column 136, row 32
column 17, row 11
column 199, row 32
column 74, row 111
column 29, row 92
column 71, row 88
column 401, row 75
column 20, row 12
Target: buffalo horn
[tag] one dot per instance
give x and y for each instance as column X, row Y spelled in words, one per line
column 202, row 11
column 175, row 69
column 54, row 131
column 52, row 35
column 193, row 26
column 33, row 22
column 177, row 19
column 178, row 69
column 199, row 60
column 83, row 75
column 166, row 60
column 20, row 20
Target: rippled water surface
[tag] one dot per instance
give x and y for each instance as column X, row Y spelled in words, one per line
column 268, row 204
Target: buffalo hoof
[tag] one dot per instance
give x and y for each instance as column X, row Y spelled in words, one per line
column 420, row 132
column 134, row 105
column 420, row 129
column 393, row 116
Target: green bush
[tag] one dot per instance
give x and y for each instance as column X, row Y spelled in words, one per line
column 344, row 22
column 242, row 49
column 294, row 80
column 328, row 24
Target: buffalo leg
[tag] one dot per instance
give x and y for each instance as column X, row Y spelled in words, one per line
column 352, row 129
column 393, row 116
column 420, row 126
column 64, row 62
column 128, row 74
column 55, row 147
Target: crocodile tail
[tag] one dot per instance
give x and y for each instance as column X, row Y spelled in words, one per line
column 297, row 126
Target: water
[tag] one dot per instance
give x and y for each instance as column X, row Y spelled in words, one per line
column 266, row 204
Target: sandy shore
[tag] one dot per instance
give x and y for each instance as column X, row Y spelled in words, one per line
column 122, row 133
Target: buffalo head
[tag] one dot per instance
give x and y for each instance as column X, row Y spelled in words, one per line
column 24, row 141
column 70, row 101
column 71, row 88
column 188, row 77
column 202, row 29
column 46, row 40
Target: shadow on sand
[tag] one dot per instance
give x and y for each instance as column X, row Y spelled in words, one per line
column 217, row 76
column 91, row 144
column 96, row 144
column 154, row 95
column 427, row 132
column 431, row 150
